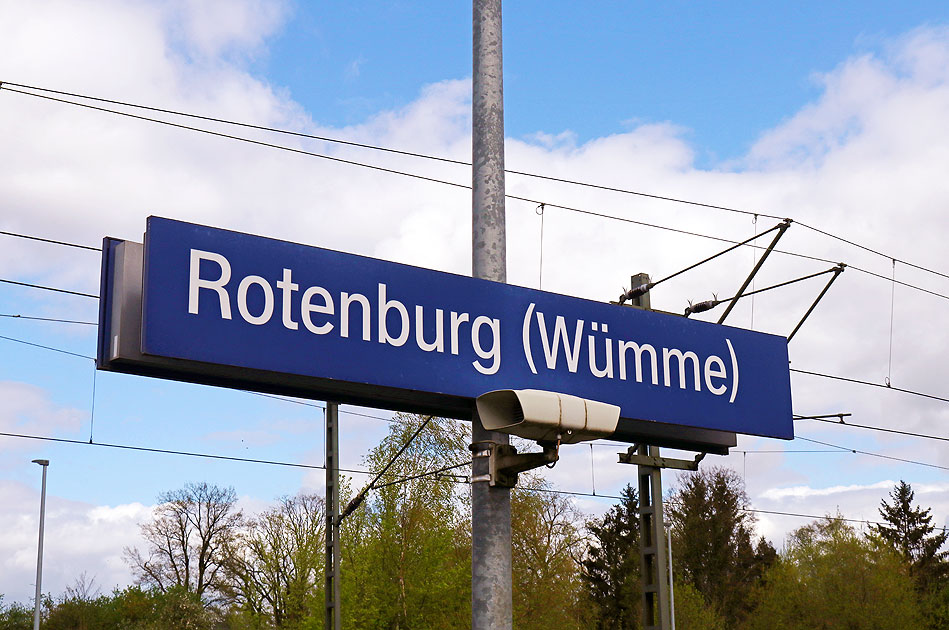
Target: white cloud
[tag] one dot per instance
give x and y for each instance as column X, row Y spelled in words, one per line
column 27, row 409
column 804, row 492
column 79, row 537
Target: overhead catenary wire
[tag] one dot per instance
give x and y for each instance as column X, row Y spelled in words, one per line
column 871, row 384
column 857, row 451
column 48, row 288
column 354, row 413
column 284, row 399
column 710, row 304
column 743, row 509
column 64, row 440
column 48, row 319
column 535, row 202
column 246, row 460
column 366, row 472
column 361, row 495
column 635, row 292
column 327, row 139
column 880, row 429
column 49, row 240
column 780, row 451
column 50, row 348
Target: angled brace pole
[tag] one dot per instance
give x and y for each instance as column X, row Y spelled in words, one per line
column 839, row 270
column 781, row 230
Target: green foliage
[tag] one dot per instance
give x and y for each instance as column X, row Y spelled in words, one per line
column 712, row 540
column 128, row 609
column 936, row 608
column 15, row 616
column 910, row 533
column 546, row 544
column 691, row 611
column 275, row 563
column 406, row 552
column 610, row 569
column 830, row 577
column 406, row 560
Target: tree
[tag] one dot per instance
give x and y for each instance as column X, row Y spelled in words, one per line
column 610, row 568
column 16, row 616
column 830, row 577
column 546, row 545
column 187, row 541
column 691, row 611
column 128, row 609
column 910, row 533
column 406, row 554
column 276, row 563
column 712, row 540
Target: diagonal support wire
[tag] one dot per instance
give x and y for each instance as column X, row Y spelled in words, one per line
column 358, row 499
column 637, row 291
column 701, row 307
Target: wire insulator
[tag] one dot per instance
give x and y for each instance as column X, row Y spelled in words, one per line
column 636, row 292
column 701, row 307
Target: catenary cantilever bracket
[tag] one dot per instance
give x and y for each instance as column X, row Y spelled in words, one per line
column 632, row 457
column 751, row 276
column 837, row 271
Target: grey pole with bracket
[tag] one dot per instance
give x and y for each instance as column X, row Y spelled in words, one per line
column 491, row 603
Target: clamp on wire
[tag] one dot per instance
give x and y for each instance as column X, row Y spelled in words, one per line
column 556, row 453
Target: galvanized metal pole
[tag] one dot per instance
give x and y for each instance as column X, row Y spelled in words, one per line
column 39, row 554
column 331, row 569
column 490, row 506
column 651, row 552
column 672, row 592
column 652, row 557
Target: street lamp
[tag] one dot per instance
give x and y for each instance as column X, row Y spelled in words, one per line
column 39, row 555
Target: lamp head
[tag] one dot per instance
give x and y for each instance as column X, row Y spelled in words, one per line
column 41, row 462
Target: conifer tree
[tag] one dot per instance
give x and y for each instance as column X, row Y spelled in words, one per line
column 911, row 533
column 610, row 570
column 712, row 535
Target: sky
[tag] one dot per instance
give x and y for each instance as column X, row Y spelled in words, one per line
column 835, row 116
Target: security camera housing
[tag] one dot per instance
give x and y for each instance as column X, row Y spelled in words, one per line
column 546, row 416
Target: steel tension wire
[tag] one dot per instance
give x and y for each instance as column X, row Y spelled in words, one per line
column 700, row 307
column 635, row 292
column 358, row 499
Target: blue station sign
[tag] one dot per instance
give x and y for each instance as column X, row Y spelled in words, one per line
column 230, row 308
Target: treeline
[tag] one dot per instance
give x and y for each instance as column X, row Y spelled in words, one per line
column 406, row 559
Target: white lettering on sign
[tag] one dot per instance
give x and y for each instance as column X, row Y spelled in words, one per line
column 580, row 346
column 682, row 368
column 395, row 323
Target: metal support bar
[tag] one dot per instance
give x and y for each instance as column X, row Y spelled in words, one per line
column 839, row 270
column 631, row 457
column 504, row 462
column 781, row 230
column 652, row 557
column 640, row 293
column 331, row 569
